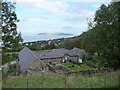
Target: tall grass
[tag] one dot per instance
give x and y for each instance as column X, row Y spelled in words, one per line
column 104, row 80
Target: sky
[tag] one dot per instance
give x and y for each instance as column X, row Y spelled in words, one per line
column 55, row 16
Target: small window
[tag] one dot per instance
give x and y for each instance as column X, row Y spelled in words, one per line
column 50, row 62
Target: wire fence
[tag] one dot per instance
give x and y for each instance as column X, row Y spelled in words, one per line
column 90, row 81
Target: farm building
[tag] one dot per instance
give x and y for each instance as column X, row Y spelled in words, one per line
column 29, row 61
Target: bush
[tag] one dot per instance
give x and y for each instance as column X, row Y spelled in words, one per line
column 91, row 65
column 73, row 66
column 89, row 57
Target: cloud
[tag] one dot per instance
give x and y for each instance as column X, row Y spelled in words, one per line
column 41, row 16
column 97, row 5
column 81, row 17
column 74, row 12
column 67, row 27
column 65, row 0
column 38, row 20
column 57, row 33
column 56, row 7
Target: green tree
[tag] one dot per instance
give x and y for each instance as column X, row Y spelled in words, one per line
column 103, row 35
column 11, row 39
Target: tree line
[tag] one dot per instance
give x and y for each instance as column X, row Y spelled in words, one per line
column 103, row 34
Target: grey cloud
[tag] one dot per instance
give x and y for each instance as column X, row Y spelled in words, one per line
column 60, row 33
column 77, row 8
column 67, row 27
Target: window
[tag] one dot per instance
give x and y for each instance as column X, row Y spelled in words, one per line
column 50, row 62
column 65, row 58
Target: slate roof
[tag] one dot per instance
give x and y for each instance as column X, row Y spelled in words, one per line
column 76, row 52
column 55, row 53
column 26, row 56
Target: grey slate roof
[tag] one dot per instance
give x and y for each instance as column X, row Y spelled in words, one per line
column 55, row 53
column 26, row 56
column 76, row 52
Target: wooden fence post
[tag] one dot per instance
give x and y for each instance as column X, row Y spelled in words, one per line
column 91, row 82
column 27, row 83
column 66, row 75
column 105, row 79
column 118, row 79
column 42, row 80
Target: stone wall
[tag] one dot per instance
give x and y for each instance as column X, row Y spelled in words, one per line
column 89, row 72
column 52, row 61
column 35, row 64
column 6, row 68
column 74, row 59
column 60, row 60
column 51, row 68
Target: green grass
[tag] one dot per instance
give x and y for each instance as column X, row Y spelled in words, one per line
column 33, row 51
column 12, row 53
column 98, row 64
column 76, row 67
column 43, row 51
column 109, row 80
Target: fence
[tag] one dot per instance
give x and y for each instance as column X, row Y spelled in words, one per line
column 66, row 80
column 103, row 81
column 89, row 72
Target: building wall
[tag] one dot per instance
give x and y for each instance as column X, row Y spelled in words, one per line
column 65, row 58
column 52, row 61
column 75, row 59
column 35, row 64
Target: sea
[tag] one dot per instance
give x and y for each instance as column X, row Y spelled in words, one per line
column 29, row 38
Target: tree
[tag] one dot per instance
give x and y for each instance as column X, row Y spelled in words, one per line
column 11, row 39
column 52, row 46
column 69, row 43
column 103, row 35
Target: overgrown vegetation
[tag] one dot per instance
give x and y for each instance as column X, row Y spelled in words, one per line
column 102, row 80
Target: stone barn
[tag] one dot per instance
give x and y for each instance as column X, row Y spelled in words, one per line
column 28, row 62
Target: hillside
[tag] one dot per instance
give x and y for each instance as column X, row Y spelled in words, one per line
column 104, row 80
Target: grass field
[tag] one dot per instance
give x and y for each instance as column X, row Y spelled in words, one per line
column 33, row 51
column 76, row 67
column 42, row 51
column 106, row 80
